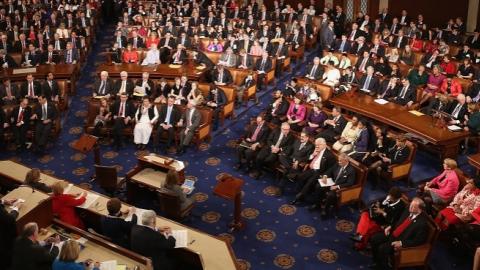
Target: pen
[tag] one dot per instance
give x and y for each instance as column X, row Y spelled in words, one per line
column 191, row 242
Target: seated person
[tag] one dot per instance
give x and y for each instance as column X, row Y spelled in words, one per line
column 152, row 57
column 168, row 118
column 200, row 59
column 67, row 258
column 363, row 62
column 146, row 117
column 277, row 109
column 63, row 205
column 380, row 146
column 104, row 86
column 228, row 58
column 364, row 140
column 31, row 57
column 216, row 99
column 333, row 126
column 130, row 55
column 262, row 66
column 221, row 75
column 348, row 136
column 215, row 46
column 332, row 75
column 418, row 76
column 430, row 60
column 466, row 70
column 441, row 189
column 33, row 179
column 343, row 175
column 296, row 113
column 461, row 208
column 345, row 62
column 378, row 216
column 123, row 113
column 396, row 154
column 172, row 184
column 244, row 86
column 348, row 78
column 124, row 85
column 388, row 88
column 144, row 87
column 472, row 122
column 315, row 119
column 196, row 94
column 9, row 93
column 410, row 230
column 406, row 95
column 103, row 117
column 116, row 54
column 407, row 56
column 329, row 57
column 318, row 163
column 45, row 114
column 447, row 66
column 179, row 56
column 450, row 87
column 457, row 110
column 252, row 142
column 369, row 83
column 244, row 60
column 382, row 67
column 278, row 141
column 314, row 71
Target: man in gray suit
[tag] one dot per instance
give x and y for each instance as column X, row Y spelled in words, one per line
column 228, row 59
column 189, row 123
column 327, row 36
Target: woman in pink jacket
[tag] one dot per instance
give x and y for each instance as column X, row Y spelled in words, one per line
column 443, row 188
column 296, row 113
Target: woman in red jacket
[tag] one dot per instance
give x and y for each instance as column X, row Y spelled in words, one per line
column 64, row 205
column 451, row 87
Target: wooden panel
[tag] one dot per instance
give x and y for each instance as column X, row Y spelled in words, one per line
column 435, row 12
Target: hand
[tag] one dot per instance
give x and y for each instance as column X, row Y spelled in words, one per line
column 46, row 121
column 324, row 179
column 397, row 245
column 387, row 230
column 379, row 211
column 9, row 201
column 84, row 194
column 131, row 210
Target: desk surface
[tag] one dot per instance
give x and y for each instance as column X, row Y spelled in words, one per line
column 156, row 71
column 61, row 71
column 214, row 252
column 32, row 199
column 151, row 177
column 397, row 116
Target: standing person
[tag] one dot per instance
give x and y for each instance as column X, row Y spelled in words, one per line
column 122, row 112
column 63, row 205
column 167, row 121
column 8, row 231
column 45, row 115
column 189, row 124
column 145, row 118
column 20, row 123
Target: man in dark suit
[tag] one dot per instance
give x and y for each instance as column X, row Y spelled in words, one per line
column 216, row 99
column 168, row 117
column 296, row 39
column 315, row 70
column 31, row 57
column 8, row 231
column 263, row 65
column 153, row 242
column 124, row 85
column 184, row 40
column 359, row 47
column 411, row 230
column 363, row 62
column 6, row 61
column 277, row 109
column 20, row 123
column 407, row 94
column 369, row 83
column 57, row 43
column 400, row 41
column 355, row 33
column 21, row 44
column 179, row 56
column 50, row 57
column 278, row 141
column 71, row 55
column 9, row 93
column 122, row 111
column 333, row 126
column 318, row 163
column 115, row 227
column 45, row 114
column 388, row 89
column 136, row 41
column 458, row 110
column 189, row 123
column 294, row 157
column 342, row 45
column 120, row 39
column 397, row 154
column 343, row 175
column 385, row 17
column 4, row 123
column 104, row 86
column 28, row 254
column 50, row 88
column 253, row 141
column 244, row 60
column 166, row 46
column 221, row 75
column 30, row 89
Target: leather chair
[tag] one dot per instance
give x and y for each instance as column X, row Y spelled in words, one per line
column 171, row 207
column 107, row 179
column 402, row 171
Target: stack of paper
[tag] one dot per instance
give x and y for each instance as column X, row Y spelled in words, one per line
column 139, row 212
column 181, row 238
column 108, row 265
column 91, row 198
column 329, row 182
column 415, row 112
column 454, row 128
column 381, row 101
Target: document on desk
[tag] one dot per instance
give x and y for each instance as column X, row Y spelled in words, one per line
column 415, row 112
column 178, row 165
column 139, row 212
column 181, row 238
column 328, row 184
column 91, row 198
column 108, row 265
column 454, row 128
column 381, row 101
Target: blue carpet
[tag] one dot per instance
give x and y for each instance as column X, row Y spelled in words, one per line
column 277, row 236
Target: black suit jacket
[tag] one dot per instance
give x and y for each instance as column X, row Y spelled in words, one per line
column 51, row 111
column 262, row 135
column 13, row 89
column 129, row 109
column 284, row 144
column 26, row 116
column 339, row 125
column 55, row 58
column 411, row 95
column 461, row 114
column 8, row 233
column 118, row 230
column 108, row 87
column 356, row 49
column 386, row 91
column 327, row 162
column 150, row 83
column 267, row 66
column 249, row 61
column 416, row 233
column 140, row 43
column 295, row 153
column 373, row 85
column 227, row 76
column 9, row 60
column 174, row 116
column 398, row 155
column 318, row 72
column 128, row 88
column 154, row 245
column 221, row 98
column 346, row 47
column 31, row 256
column 48, row 91
column 37, row 88
column 345, row 179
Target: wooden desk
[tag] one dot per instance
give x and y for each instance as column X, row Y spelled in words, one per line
column 398, row 117
column 214, row 252
column 474, row 160
column 61, row 71
column 156, row 72
column 150, row 174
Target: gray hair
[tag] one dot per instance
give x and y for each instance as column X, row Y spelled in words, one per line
column 148, row 217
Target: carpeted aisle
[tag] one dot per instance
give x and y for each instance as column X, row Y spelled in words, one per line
column 277, row 236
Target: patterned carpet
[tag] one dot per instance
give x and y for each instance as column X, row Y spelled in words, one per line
column 278, row 235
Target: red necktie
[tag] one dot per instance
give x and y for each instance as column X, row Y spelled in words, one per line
column 120, row 112
column 255, row 134
column 30, row 90
column 20, row 117
column 399, row 230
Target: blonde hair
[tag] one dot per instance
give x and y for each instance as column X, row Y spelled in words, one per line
column 57, row 188
column 70, row 251
column 451, row 163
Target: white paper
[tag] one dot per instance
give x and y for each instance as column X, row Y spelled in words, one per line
column 108, row 265
column 82, row 240
column 139, row 212
column 328, row 184
column 91, row 198
column 365, row 90
column 181, row 238
column 454, row 128
column 381, row 101
column 178, row 165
